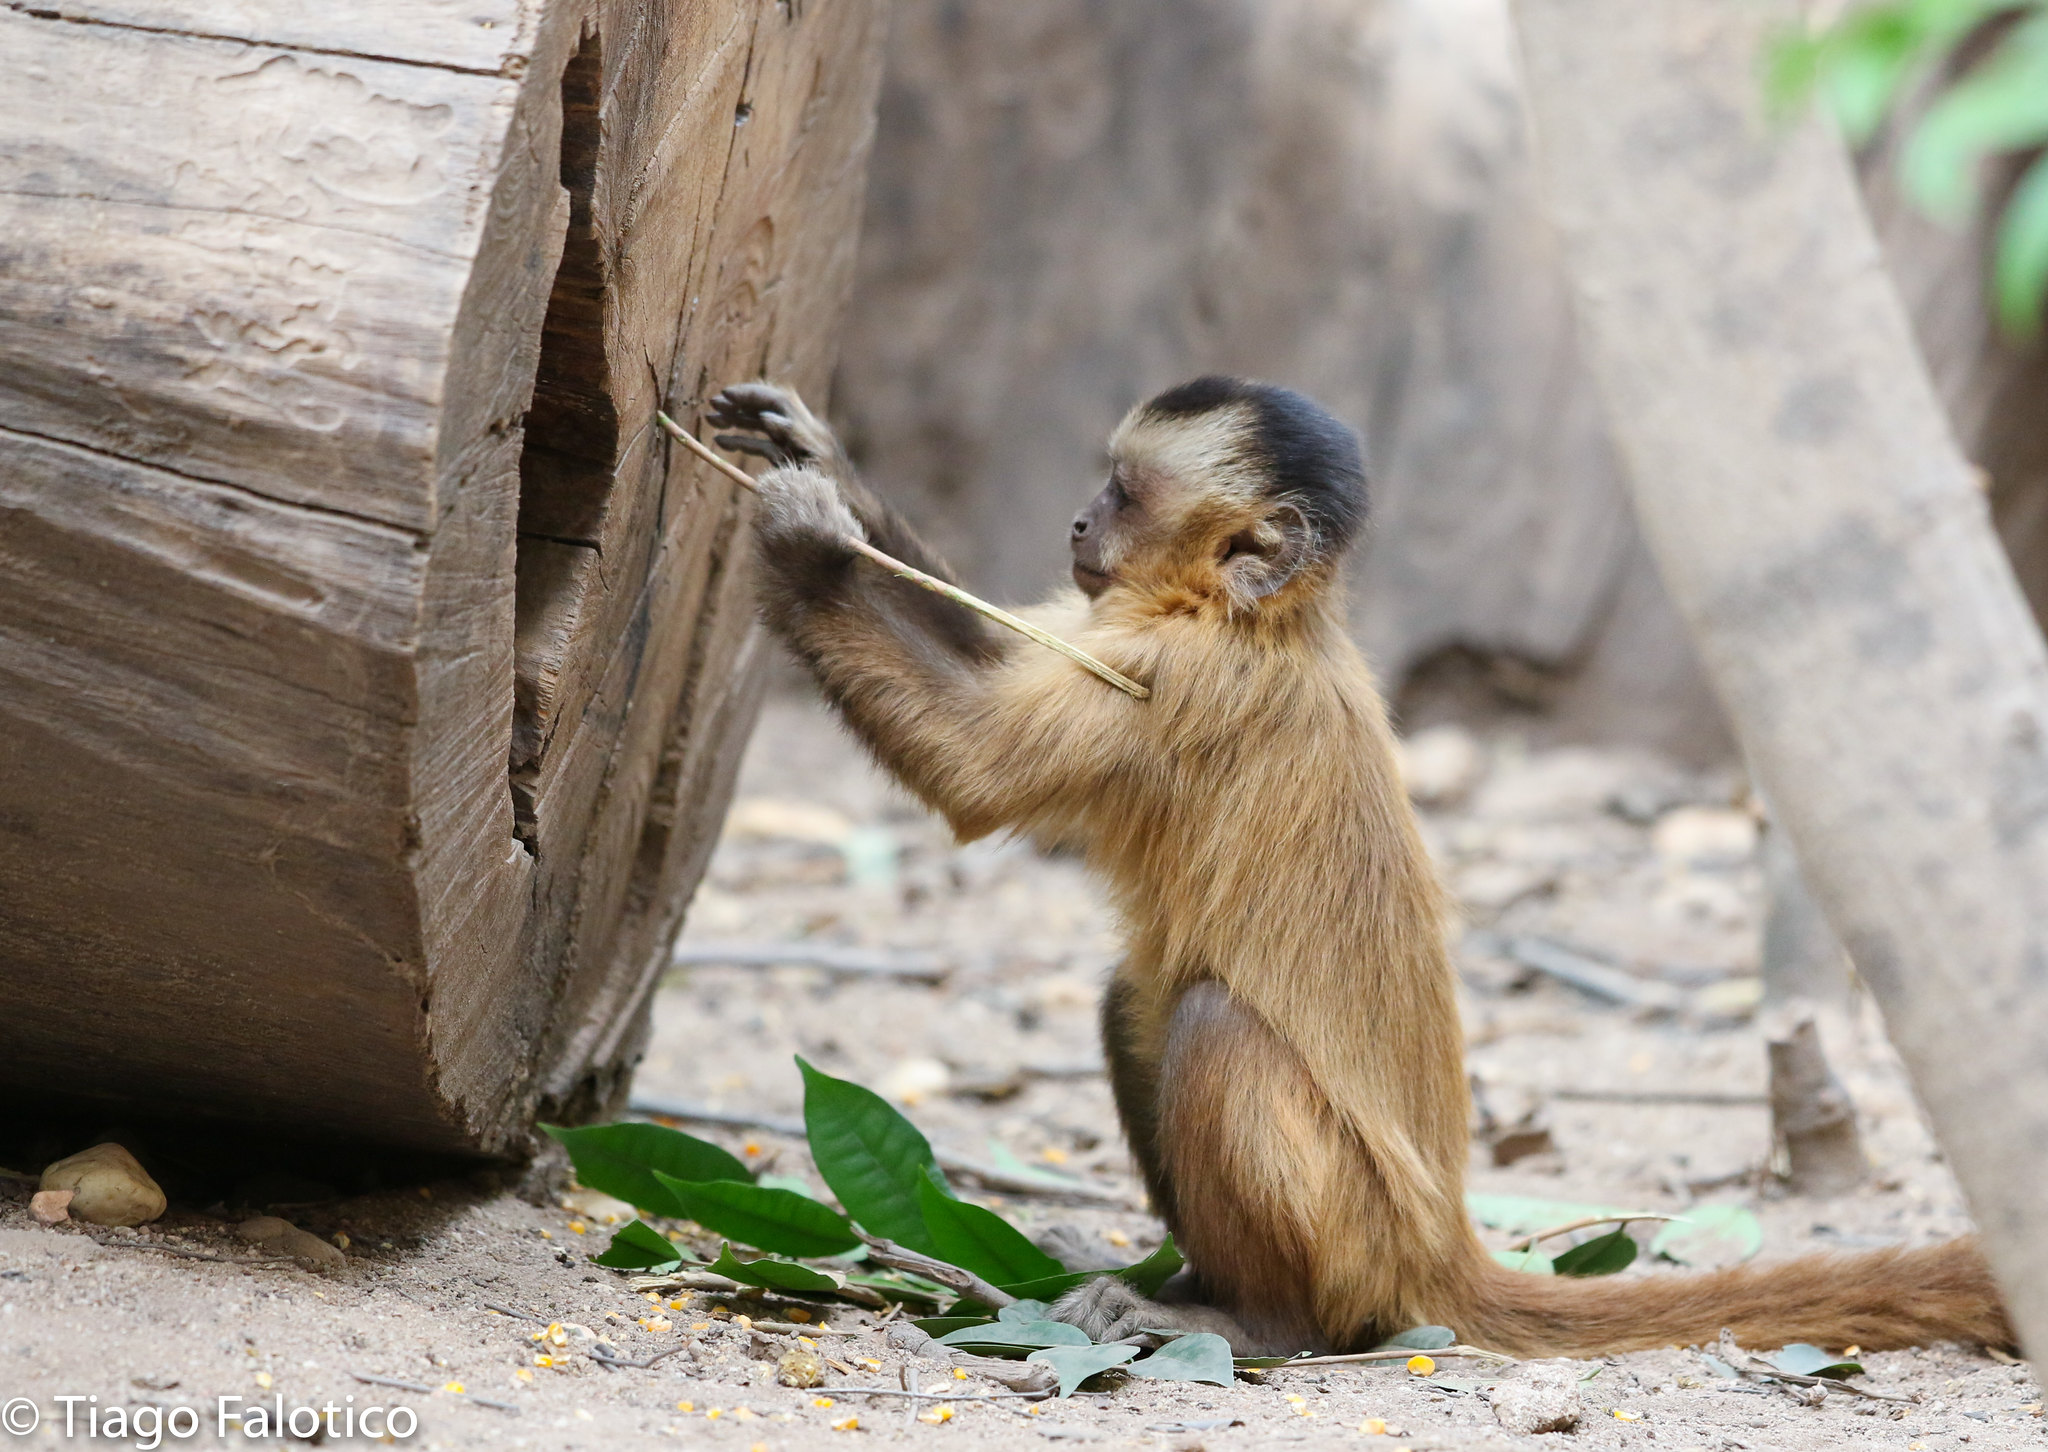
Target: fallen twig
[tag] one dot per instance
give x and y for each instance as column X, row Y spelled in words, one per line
column 1584, row 1222
column 952, row 1277
column 703, row 1280
column 918, row 577
column 849, row 962
column 1660, row 1096
column 606, row 1359
column 1033, row 1183
column 1590, row 975
column 925, row 1396
column 190, row 1254
column 1744, row 1363
column 1398, row 1353
column 514, row 1311
column 421, row 1387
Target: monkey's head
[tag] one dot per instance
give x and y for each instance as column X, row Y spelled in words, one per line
column 1229, row 490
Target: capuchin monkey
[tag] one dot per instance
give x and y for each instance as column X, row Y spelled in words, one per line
column 1282, row 1035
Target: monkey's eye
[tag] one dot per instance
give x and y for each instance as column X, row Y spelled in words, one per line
column 1118, row 495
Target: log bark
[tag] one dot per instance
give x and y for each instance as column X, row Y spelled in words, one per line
column 1829, row 546
column 372, row 673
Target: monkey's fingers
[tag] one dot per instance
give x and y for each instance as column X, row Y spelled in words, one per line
column 767, row 449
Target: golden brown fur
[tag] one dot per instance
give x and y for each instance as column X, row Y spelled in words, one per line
column 1283, row 1033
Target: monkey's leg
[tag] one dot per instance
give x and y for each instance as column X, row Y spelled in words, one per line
column 1250, row 1150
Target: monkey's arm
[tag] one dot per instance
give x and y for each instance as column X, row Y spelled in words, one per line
column 983, row 735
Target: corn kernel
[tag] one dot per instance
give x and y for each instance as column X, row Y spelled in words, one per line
column 848, row 1423
column 1421, row 1365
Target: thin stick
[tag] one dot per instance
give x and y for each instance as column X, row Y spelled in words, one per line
column 918, row 577
column 1397, row 1354
column 1528, row 1242
column 423, row 1389
column 954, row 1278
column 918, row 1396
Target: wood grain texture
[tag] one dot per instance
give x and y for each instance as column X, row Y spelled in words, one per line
column 330, row 339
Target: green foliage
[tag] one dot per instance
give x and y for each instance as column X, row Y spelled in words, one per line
column 1145, row 1276
column 1420, row 1338
column 980, row 1240
column 1075, row 1364
column 1601, row 1256
column 873, row 1158
column 1201, row 1356
column 774, row 1274
column 1532, row 1260
column 883, row 1173
column 638, row 1246
column 620, row 1160
column 1867, row 59
column 1710, row 1236
column 1525, row 1215
column 1802, row 1359
column 775, row 1220
column 1014, row 1338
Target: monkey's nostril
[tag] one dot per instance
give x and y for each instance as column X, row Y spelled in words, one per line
column 1080, row 528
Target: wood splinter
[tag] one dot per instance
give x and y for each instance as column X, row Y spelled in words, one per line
column 918, row 577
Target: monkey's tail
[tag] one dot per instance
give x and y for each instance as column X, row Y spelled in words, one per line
column 1880, row 1300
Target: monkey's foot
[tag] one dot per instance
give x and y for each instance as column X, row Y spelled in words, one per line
column 1110, row 1310
column 774, row 424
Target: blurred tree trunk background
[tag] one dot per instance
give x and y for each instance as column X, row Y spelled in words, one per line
column 1076, row 203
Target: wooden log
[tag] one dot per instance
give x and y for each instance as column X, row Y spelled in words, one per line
column 372, row 672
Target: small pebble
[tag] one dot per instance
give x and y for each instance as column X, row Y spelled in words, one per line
column 280, row 1237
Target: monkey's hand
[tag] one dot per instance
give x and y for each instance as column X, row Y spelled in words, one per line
column 803, row 513
column 773, row 423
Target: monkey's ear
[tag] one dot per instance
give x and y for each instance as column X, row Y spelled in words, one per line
column 1261, row 560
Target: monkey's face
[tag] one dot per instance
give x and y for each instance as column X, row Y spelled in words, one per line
column 1102, row 534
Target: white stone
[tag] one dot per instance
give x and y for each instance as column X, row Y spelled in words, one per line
column 1705, row 837
column 1541, row 1396
column 1441, row 765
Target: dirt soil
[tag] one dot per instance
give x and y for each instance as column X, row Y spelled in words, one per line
column 447, row 1283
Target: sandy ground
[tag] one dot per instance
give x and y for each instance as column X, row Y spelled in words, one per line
column 446, row 1283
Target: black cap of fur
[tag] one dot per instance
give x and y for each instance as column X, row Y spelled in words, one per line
column 1316, row 461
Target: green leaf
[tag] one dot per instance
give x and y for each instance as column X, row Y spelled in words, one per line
column 773, row 1274
column 1534, row 1261
column 2020, row 269
column 1202, row 1356
column 1719, row 1367
column 976, row 1238
column 2001, row 105
column 1145, row 1276
column 1012, row 1338
column 1420, row 1338
column 1522, row 1215
column 942, row 1325
column 1002, row 1157
column 1802, row 1359
column 1075, row 1364
column 780, row 1221
column 1603, row 1255
column 638, row 1246
column 873, row 1158
column 898, row 1286
column 620, row 1160
column 1022, row 1310
column 1710, row 1236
